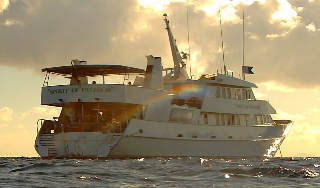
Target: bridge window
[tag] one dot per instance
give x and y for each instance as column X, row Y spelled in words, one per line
column 181, row 115
column 223, row 92
column 217, row 119
column 222, row 119
column 229, row 93
column 238, row 94
column 218, row 92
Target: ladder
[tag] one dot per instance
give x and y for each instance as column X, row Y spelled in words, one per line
column 47, row 140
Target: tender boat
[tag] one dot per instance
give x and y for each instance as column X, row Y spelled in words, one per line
column 163, row 113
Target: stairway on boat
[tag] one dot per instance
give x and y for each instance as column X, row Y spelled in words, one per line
column 47, row 141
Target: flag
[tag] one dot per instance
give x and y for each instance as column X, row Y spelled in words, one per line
column 247, row 70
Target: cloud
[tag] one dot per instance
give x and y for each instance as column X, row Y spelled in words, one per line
column 4, row 4
column 260, row 96
column 43, row 110
column 311, row 27
column 10, row 22
column 6, row 114
column 286, row 15
column 275, row 86
column 280, row 36
column 284, row 115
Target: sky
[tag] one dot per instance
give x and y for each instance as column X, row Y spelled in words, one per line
column 281, row 41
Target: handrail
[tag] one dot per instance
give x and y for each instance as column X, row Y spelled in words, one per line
column 41, row 120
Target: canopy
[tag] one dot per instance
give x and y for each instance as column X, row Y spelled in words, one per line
column 93, row 70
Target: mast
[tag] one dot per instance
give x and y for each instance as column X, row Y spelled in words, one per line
column 180, row 72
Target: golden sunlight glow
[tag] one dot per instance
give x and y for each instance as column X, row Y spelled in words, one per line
column 4, row 4
column 273, row 36
column 311, row 27
column 197, row 68
column 286, row 15
column 210, row 9
column 158, row 5
column 229, row 14
column 227, row 8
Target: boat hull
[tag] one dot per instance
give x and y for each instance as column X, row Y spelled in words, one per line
column 164, row 139
column 137, row 147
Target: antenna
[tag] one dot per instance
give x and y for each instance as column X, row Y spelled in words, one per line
column 224, row 64
column 189, row 38
column 243, row 75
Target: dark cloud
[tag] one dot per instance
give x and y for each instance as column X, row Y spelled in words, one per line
column 51, row 33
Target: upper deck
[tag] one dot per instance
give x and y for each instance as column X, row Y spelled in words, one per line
column 92, row 70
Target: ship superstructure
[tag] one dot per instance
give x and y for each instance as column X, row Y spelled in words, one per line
column 163, row 113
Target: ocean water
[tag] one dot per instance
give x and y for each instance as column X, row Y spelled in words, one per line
column 160, row 172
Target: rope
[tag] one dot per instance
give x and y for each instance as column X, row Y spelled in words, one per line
column 280, row 152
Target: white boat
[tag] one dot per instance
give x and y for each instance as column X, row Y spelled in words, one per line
column 163, row 113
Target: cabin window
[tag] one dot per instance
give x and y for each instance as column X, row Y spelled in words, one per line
column 267, row 119
column 228, row 119
column 258, row 119
column 180, row 115
column 238, row 94
column 238, row 119
column 233, row 93
column 206, row 118
column 222, row 119
column 247, row 94
column 233, row 119
column 218, row 92
column 243, row 94
column 229, row 93
column 264, row 119
column 217, row 119
column 223, row 92
column 251, row 95
column 270, row 119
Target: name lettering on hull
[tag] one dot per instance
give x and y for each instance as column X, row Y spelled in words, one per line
column 247, row 106
column 75, row 90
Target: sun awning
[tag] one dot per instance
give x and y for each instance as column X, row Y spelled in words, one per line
column 93, row 70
